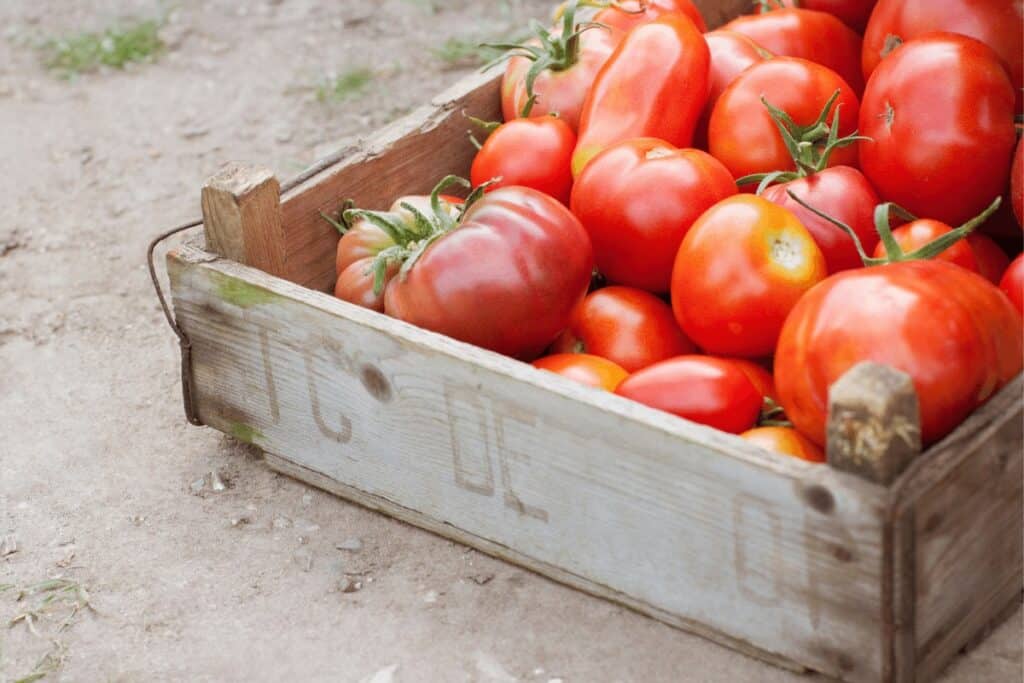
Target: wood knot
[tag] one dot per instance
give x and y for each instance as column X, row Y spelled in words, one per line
column 820, row 498
column 376, row 383
column 842, row 554
column 932, row 523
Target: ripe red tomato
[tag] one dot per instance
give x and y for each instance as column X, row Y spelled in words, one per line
column 997, row 23
column 843, row 193
column 990, row 258
column 916, row 234
column 785, row 440
column 853, row 13
column 711, row 391
column 951, row 330
column 584, row 368
column 947, row 162
column 1017, row 184
column 739, row 271
column 731, row 54
column 627, row 15
column 815, row 36
column 505, row 277
column 1012, row 283
column 629, row 326
column 758, row 375
column 566, row 72
column 653, row 85
column 742, row 134
column 637, row 199
column 533, row 152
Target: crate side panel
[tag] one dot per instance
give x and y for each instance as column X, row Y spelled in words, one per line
column 781, row 554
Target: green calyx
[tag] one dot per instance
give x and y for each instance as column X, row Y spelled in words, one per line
column 811, row 146
column 487, row 127
column 412, row 237
column 555, row 52
column 883, row 224
column 770, row 5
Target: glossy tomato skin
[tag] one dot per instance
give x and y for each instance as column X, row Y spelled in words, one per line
column 741, row 133
column 711, row 391
column 853, row 13
column 989, row 257
column 917, row 234
column 815, row 36
column 997, row 23
column 951, row 330
column 630, row 14
column 785, row 440
column 1017, row 184
column 739, row 271
column 628, row 326
column 534, row 152
column 1012, row 283
column 843, row 193
column 654, row 85
column 506, row 279
column 731, row 54
column 584, row 368
column 758, row 376
column 637, row 199
column 946, row 162
column 558, row 92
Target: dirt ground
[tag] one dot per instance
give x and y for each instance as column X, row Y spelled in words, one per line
column 104, row 485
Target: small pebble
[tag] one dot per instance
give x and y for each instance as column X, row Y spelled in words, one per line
column 197, row 486
column 241, row 520
column 348, row 585
column 482, row 579
column 9, row 545
column 430, row 598
column 216, row 483
column 351, row 544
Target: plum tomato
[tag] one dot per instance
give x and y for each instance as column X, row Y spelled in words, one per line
column 584, row 368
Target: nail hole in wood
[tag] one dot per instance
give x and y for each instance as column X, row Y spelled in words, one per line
column 820, row 498
column 842, row 554
column 376, row 383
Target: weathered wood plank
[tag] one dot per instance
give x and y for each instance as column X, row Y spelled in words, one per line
column 687, row 521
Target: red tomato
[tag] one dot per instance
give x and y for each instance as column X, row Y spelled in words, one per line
column 916, row 234
column 947, row 162
column 506, row 276
column 584, row 368
column 853, row 13
column 731, row 54
column 629, row 326
column 742, row 134
column 567, row 70
column 1012, row 283
column 758, row 375
column 653, row 85
column 529, row 152
column 637, row 199
column 815, row 36
column 1017, row 184
column 711, row 391
column 629, row 14
column 843, row 193
column 739, row 271
column 785, row 440
column 951, row 330
column 997, row 23
column 990, row 258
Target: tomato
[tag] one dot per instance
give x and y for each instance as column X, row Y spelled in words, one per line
column 584, row 368
column 853, row 13
column 785, row 440
column 916, row 234
column 997, row 23
column 731, row 54
column 950, row 330
column 629, row 326
column 843, row 193
column 653, row 85
column 946, row 162
column 564, row 71
column 627, row 15
column 739, row 271
column 530, row 152
column 759, row 377
column 363, row 240
column 711, row 391
column 637, row 199
column 1017, row 184
column 990, row 258
column 1012, row 283
column 742, row 133
column 815, row 36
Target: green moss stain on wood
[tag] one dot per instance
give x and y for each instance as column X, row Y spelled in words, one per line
column 244, row 432
column 241, row 293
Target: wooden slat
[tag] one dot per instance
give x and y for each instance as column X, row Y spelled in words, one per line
column 685, row 520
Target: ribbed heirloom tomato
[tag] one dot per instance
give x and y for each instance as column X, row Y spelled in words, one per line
column 637, row 199
column 629, row 326
column 533, row 153
column 584, row 368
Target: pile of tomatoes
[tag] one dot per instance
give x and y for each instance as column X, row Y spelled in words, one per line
column 720, row 224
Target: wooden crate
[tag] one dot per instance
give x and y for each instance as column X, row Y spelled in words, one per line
column 880, row 566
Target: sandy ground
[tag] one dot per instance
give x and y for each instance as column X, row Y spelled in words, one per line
column 101, row 480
